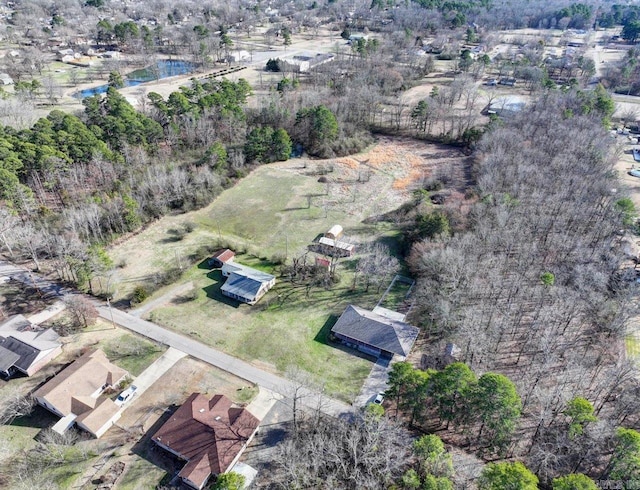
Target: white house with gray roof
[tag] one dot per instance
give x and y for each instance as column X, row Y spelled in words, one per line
column 25, row 347
column 245, row 283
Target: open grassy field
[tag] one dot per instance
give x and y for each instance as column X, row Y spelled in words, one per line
column 276, row 212
column 289, row 327
column 280, row 208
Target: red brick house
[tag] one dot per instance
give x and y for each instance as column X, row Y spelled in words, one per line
column 209, row 434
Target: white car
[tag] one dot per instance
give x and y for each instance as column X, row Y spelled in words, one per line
column 379, row 399
column 125, row 395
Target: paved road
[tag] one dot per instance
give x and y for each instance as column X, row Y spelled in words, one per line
column 194, row 348
column 223, row 361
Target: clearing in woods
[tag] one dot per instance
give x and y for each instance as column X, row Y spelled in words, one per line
column 275, row 211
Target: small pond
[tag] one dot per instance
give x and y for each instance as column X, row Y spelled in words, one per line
column 162, row 69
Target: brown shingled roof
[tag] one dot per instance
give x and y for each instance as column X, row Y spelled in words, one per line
column 224, row 255
column 74, row 387
column 209, row 434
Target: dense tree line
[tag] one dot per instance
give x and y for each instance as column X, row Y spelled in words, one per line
column 529, row 290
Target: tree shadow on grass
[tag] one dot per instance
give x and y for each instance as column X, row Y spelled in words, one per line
column 39, row 418
column 214, row 290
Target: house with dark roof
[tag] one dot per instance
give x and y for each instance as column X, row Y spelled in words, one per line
column 25, row 347
column 210, row 435
column 76, row 394
column 374, row 334
column 245, row 283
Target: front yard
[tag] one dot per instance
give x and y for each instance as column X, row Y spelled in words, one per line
column 288, row 327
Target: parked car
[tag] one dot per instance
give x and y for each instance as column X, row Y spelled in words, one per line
column 125, row 395
column 379, row 399
column 635, row 172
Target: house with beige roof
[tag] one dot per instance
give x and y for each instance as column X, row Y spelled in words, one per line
column 210, row 435
column 76, row 394
column 25, row 347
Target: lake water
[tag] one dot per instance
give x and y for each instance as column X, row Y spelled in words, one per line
column 162, row 69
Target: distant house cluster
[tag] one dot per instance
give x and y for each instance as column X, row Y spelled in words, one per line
column 305, row 62
column 209, row 434
column 26, row 348
column 76, row 394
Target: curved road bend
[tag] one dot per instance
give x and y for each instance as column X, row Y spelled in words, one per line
column 190, row 346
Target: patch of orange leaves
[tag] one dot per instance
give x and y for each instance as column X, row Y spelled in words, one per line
column 348, row 162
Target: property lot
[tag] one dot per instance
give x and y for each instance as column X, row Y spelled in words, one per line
column 280, row 208
column 86, row 460
column 275, row 212
column 19, row 439
column 145, row 465
column 289, row 327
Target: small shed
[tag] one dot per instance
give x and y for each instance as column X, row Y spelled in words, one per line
column 322, row 262
column 335, row 248
column 334, row 232
column 221, row 257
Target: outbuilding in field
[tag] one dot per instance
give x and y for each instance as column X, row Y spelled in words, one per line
column 335, row 248
column 334, row 232
column 221, row 257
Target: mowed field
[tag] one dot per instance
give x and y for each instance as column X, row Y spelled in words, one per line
column 278, row 210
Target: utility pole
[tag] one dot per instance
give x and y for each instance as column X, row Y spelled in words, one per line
column 113, row 324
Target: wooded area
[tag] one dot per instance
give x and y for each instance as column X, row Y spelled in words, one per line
column 524, row 269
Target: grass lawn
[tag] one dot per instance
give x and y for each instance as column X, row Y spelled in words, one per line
column 286, row 328
column 396, row 296
column 632, row 344
column 132, row 352
column 140, row 474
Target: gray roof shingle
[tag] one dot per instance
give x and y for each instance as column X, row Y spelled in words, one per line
column 376, row 330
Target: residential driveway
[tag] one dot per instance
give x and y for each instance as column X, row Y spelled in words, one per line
column 192, row 347
column 151, row 305
column 154, row 372
column 224, row 361
column 263, row 403
column 375, row 383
